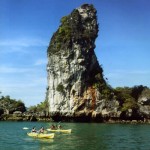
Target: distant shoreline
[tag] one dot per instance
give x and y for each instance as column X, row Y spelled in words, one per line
column 20, row 117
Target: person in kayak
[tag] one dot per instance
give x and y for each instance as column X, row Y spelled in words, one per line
column 53, row 127
column 41, row 130
column 59, row 126
column 33, row 129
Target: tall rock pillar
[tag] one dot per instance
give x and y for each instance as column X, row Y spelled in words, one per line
column 75, row 78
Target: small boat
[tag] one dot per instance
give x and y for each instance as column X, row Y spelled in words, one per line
column 41, row 135
column 60, row 130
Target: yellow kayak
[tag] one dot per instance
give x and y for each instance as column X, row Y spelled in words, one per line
column 60, row 130
column 41, row 135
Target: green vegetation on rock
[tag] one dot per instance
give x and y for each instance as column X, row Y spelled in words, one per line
column 42, row 107
column 71, row 28
column 9, row 105
column 128, row 97
column 60, row 88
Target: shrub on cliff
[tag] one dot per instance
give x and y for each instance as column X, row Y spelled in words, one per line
column 129, row 103
column 60, row 88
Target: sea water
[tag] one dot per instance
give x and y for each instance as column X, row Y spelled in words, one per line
column 84, row 136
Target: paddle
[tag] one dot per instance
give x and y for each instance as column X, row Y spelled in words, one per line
column 25, row 128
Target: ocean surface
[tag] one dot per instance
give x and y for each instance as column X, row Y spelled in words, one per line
column 84, row 136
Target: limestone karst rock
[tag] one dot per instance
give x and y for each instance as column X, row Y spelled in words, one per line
column 76, row 87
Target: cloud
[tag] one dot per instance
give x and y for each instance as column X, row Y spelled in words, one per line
column 22, row 75
column 22, row 83
column 26, row 84
column 129, row 72
column 20, row 45
column 23, row 42
column 7, row 69
column 30, row 94
column 40, row 62
column 128, row 77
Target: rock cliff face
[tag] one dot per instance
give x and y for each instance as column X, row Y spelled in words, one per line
column 144, row 103
column 76, row 87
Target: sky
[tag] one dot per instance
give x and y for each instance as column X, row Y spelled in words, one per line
column 26, row 27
